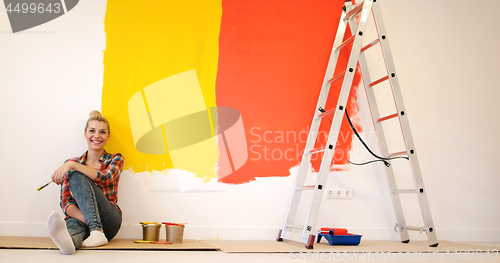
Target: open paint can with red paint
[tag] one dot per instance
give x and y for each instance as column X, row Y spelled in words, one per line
column 175, row 232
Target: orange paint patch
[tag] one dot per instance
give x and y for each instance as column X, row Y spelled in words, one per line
column 272, row 60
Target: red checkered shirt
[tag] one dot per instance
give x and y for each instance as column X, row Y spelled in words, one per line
column 107, row 178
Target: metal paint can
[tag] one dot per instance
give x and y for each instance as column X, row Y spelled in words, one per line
column 175, row 233
column 151, row 232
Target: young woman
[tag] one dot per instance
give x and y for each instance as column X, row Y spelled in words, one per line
column 89, row 194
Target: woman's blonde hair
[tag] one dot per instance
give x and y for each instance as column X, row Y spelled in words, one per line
column 96, row 116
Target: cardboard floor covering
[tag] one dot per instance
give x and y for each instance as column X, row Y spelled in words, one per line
column 373, row 246
column 255, row 246
column 114, row 244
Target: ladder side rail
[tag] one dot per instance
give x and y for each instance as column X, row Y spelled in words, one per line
column 337, row 119
column 403, row 118
column 313, row 132
column 382, row 144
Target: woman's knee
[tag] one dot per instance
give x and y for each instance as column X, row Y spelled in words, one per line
column 76, row 177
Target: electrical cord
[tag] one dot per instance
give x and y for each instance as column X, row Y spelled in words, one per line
column 380, row 159
column 373, row 161
column 366, row 146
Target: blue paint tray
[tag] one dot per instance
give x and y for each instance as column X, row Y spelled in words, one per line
column 349, row 239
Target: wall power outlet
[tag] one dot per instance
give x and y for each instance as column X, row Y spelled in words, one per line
column 339, row 193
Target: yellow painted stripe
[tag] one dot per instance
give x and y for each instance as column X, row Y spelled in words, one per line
column 147, row 108
column 145, row 100
column 164, row 137
column 211, row 121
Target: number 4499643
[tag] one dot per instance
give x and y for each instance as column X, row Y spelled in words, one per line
column 471, row 254
column 34, row 8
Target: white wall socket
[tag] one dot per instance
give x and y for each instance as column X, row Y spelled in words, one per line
column 339, row 193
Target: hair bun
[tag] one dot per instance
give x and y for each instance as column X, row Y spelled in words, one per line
column 95, row 113
column 96, row 116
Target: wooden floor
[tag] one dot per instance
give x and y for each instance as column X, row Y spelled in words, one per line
column 250, row 246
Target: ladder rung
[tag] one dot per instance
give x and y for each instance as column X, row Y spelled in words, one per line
column 317, row 150
column 345, row 43
column 337, row 77
column 378, row 81
column 326, row 113
column 306, row 187
column 415, row 228
column 387, row 117
column 399, row 227
column 404, row 191
column 354, row 12
column 373, row 43
column 294, row 226
column 397, row 154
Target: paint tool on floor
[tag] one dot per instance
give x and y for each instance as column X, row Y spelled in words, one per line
column 43, row 186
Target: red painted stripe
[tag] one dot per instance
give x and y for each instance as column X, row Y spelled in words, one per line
column 387, row 117
column 345, row 43
column 398, row 153
column 378, row 81
column 326, row 113
column 230, row 159
column 373, row 43
column 337, row 77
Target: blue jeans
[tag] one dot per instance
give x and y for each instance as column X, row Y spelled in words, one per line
column 98, row 211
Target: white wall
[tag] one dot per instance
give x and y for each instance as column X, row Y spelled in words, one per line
column 447, row 58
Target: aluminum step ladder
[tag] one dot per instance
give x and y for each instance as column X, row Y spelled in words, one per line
column 357, row 17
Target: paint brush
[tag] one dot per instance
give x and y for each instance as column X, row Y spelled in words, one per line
column 43, row 186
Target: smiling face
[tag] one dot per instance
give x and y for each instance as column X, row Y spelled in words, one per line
column 97, row 134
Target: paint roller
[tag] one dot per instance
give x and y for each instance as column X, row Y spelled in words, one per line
column 334, row 231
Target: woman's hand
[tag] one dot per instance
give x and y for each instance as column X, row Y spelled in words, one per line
column 58, row 175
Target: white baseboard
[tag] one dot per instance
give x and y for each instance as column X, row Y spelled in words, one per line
column 134, row 231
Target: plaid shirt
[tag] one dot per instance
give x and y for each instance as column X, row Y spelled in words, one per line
column 107, row 178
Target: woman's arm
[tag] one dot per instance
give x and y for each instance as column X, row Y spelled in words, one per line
column 75, row 212
column 58, row 175
column 109, row 174
column 112, row 170
column 88, row 171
